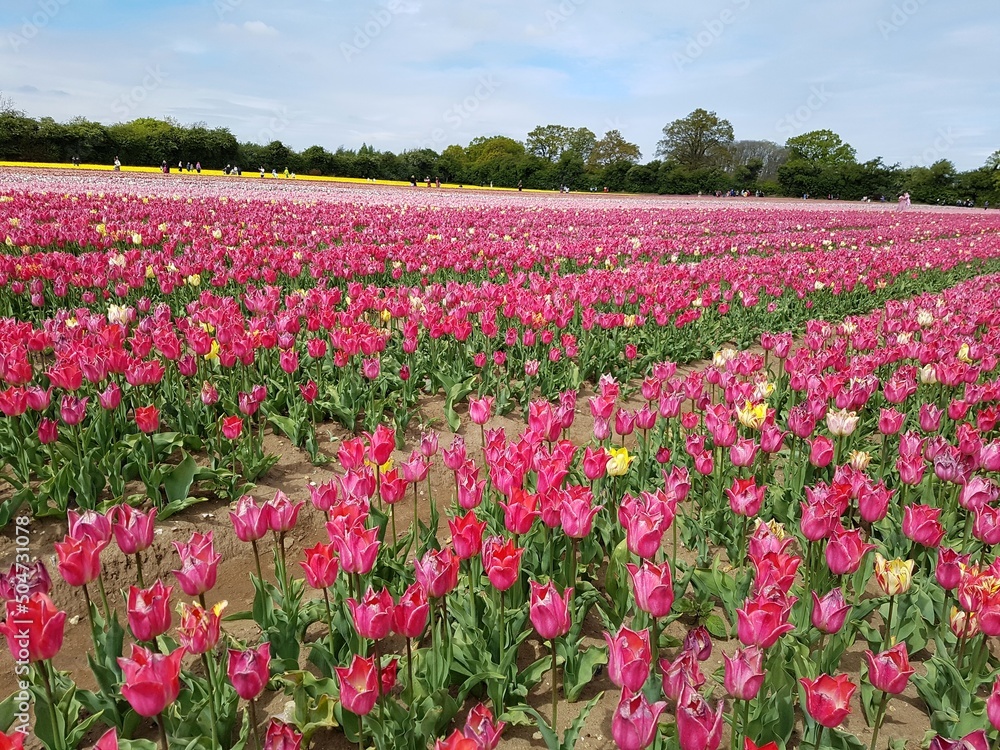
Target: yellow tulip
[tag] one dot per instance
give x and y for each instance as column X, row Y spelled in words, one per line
column 893, row 576
column 618, row 461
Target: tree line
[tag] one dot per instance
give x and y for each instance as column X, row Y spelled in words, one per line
column 697, row 154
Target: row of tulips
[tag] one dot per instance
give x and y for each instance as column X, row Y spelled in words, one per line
column 601, row 505
column 104, row 394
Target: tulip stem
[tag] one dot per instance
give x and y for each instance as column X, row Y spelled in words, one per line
column 887, row 638
column 164, row 745
column 43, row 672
column 746, row 722
column 361, row 732
column 253, row 723
column 138, row 570
column 392, row 519
column 90, row 617
column 409, row 667
column 104, row 597
column 329, row 618
column 502, row 629
column 211, row 699
column 555, row 688
column 256, row 559
column 879, row 718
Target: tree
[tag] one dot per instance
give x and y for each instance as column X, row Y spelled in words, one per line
column 821, row 146
column 767, row 154
column 699, row 140
column 581, row 141
column 613, row 149
column 548, row 141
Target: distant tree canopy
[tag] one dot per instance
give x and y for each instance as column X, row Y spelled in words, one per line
column 697, row 141
column 698, row 153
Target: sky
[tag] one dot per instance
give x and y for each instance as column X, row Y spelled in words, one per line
column 911, row 81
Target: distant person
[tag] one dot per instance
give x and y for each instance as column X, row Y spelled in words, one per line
column 118, row 165
column 180, row 166
column 428, row 180
column 197, row 167
column 437, row 182
column 413, row 180
column 519, row 187
column 286, row 173
column 76, row 161
column 274, row 172
column 262, row 171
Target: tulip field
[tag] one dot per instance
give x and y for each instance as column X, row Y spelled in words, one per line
column 289, row 465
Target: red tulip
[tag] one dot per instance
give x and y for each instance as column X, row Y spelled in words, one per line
column 34, row 628
column 548, row 611
column 249, row 520
column 456, row 741
column 249, row 670
column 48, row 431
column 281, row 513
column 634, row 721
column 479, row 409
column 520, row 512
column 372, row 614
column 79, row 560
column 762, row 622
column 993, row 705
column 481, row 727
column 381, row 444
column 133, row 529
column 828, row 699
column 973, row 741
column 282, row 736
column 24, row 580
column 576, row 512
column 151, row 680
column 149, row 611
column 437, row 572
column 829, row 611
column 629, row 658
column 921, row 525
column 199, row 629
column 681, row 673
column 821, row 451
column 890, row 670
column 466, row 535
column 90, row 524
column 232, row 427
column 744, row 673
column 357, row 549
column 320, row 566
column 845, row 551
column 654, row 588
column 358, row 685
column 698, row 728
column 502, row 562
column 199, row 564
column 147, row 418
column 409, row 616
